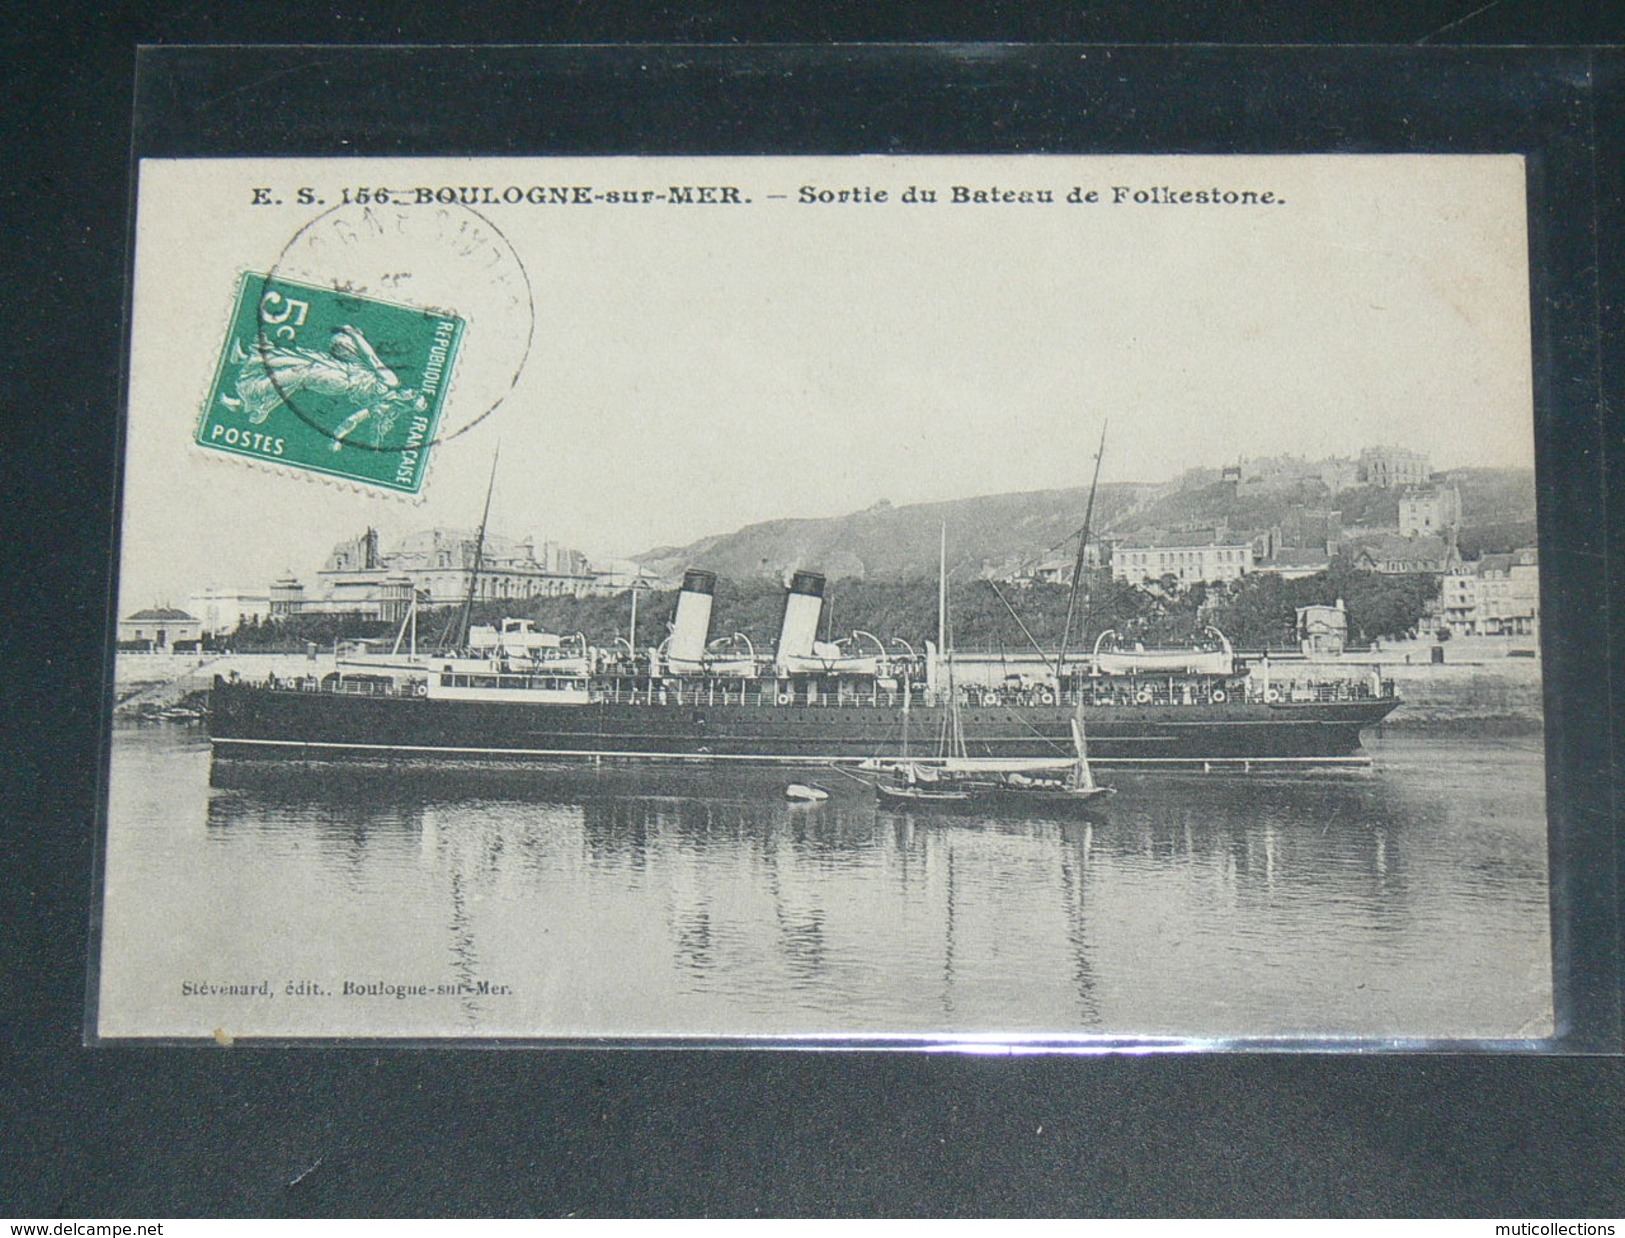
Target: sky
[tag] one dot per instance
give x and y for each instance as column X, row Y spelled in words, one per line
column 654, row 373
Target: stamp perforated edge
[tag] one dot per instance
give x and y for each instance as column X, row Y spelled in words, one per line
column 278, row 467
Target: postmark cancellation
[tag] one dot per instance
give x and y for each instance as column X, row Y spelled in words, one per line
column 331, row 382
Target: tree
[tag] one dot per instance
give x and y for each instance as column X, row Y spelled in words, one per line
column 1379, row 606
column 1259, row 612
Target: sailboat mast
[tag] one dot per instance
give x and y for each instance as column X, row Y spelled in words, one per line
column 1078, row 564
column 479, row 555
column 952, row 743
column 942, row 595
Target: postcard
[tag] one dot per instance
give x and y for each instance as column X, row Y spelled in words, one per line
column 1026, row 600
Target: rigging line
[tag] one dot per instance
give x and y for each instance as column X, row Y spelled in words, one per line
column 1098, row 606
column 479, row 552
column 1083, row 546
column 846, row 773
column 1081, row 531
column 1039, row 734
column 1041, row 556
column 445, row 630
column 1044, row 554
column 1030, row 638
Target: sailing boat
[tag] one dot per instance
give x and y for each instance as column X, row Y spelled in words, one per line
column 944, row 783
column 958, row 782
column 1076, row 789
column 918, row 784
column 953, row 779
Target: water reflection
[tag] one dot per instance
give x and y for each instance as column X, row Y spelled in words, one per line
column 1406, row 900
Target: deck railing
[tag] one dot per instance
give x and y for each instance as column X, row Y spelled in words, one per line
column 1101, row 693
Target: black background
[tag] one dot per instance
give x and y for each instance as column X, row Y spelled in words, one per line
column 256, row 1131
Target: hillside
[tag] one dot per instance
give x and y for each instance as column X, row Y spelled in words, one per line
column 898, row 543
column 1257, row 612
column 995, row 534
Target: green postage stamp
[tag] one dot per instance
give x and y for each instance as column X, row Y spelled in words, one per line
column 331, row 382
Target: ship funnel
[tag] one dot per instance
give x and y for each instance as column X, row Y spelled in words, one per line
column 689, row 630
column 802, row 607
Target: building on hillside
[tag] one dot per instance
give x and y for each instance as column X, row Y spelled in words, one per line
column 1058, row 570
column 1049, row 572
column 1339, row 473
column 1323, row 630
column 1307, row 528
column 440, row 562
column 1393, row 555
column 1202, row 555
column 1429, row 511
column 225, row 610
column 1263, row 470
column 1290, row 563
column 619, row 575
column 1394, row 467
column 1199, row 478
column 1497, row 595
column 436, row 566
column 160, row 629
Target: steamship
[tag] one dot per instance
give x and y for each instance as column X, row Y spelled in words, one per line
column 520, row 696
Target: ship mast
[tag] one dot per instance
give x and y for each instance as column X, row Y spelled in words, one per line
column 951, row 743
column 1077, row 566
column 632, row 640
column 479, row 555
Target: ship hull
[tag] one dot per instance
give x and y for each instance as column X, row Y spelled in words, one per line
column 256, row 721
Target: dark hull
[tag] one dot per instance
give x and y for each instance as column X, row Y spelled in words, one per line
column 254, row 721
column 909, row 800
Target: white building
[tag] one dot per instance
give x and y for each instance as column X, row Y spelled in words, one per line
column 159, row 629
column 1394, row 467
column 1499, row 595
column 440, row 562
column 437, row 566
column 1458, row 600
column 1187, row 557
column 1424, row 513
column 1323, row 630
column 225, row 610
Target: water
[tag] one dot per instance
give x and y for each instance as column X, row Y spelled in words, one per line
column 1408, row 900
